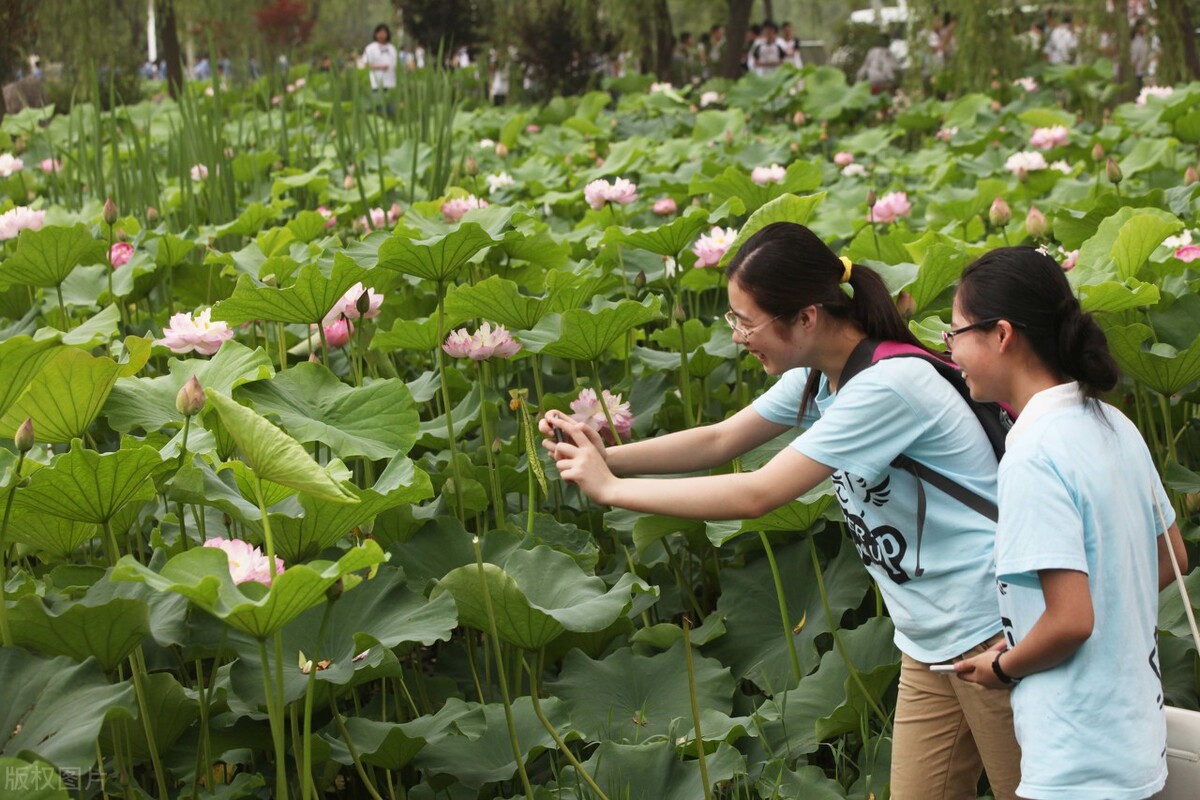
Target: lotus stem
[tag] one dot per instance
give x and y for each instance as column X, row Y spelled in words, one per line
column 307, row 789
column 358, row 765
column 483, row 378
column 494, row 635
column 535, row 687
column 441, row 362
column 138, row 668
column 797, row 673
column 5, row 629
column 691, row 672
column 599, row 389
column 273, row 714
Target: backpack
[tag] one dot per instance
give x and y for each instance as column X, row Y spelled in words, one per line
column 996, row 420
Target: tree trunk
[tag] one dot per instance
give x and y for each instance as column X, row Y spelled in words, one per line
column 165, row 12
column 1120, row 28
column 1178, row 29
column 735, row 36
column 769, row 11
column 664, row 40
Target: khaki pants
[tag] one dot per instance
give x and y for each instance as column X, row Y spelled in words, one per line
column 947, row 732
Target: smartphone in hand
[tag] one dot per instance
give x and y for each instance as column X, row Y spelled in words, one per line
column 943, row 668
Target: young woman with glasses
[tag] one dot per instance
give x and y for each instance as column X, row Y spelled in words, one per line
column 802, row 311
column 1080, row 548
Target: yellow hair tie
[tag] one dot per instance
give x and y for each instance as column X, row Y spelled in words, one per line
column 848, row 265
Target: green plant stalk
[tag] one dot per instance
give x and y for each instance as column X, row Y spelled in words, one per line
column 483, row 376
column 281, row 337
column 274, row 714
column 358, row 765
column 204, row 746
column 494, row 635
column 5, row 629
column 797, row 673
column 110, row 543
column 691, row 671
column 441, row 362
column 277, row 689
column 685, row 381
column 306, row 782
column 187, row 424
column 137, row 666
column 535, row 688
column 837, row 639
column 599, row 389
column 62, row 307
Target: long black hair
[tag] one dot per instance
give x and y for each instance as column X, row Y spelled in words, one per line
column 786, row 268
column 1027, row 287
column 382, row 27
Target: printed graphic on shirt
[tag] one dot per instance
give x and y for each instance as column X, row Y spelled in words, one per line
column 1157, row 671
column 883, row 546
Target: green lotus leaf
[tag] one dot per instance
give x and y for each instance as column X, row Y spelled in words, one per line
column 197, row 483
column 274, row 241
column 108, row 628
column 1121, row 245
column 171, row 711
column 378, row 420
column 57, row 536
column 585, row 334
column 306, row 301
column 571, row 290
column 942, row 261
column 64, row 397
column 539, row 594
column 98, row 329
column 496, row 300
column 1180, row 478
column 753, row 645
column 273, row 455
column 1111, row 296
column 149, row 403
column 806, row 783
column 655, row 771
column 669, row 239
column 829, row 701
column 86, row 486
column 869, row 141
column 798, row 515
column 488, row 757
column 46, row 257
column 1163, row 368
column 326, row 522
column 420, row 335
column 21, row 358
column 53, row 709
column 442, row 545
column 629, row 698
column 252, row 220
column 437, row 258
column 1148, row 153
column 536, row 245
column 380, row 744
column 170, row 250
column 1046, row 118
column 250, row 484
column 786, row 208
column 735, row 183
column 202, row 576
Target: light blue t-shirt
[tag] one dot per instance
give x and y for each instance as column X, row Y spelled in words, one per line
column 1075, row 493
column 902, row 405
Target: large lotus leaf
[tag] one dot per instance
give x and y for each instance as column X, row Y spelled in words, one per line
column 497, row 300
column 58, row 536
column 798, row 515
column 631, row 698
column 570, row 290
column 86, row 486
column 536, row 245
column 197, row 483
column 1112, row 296
column 806, row 783
column 171, row 711
column 381, row 744
column 437, row 258
column 108, row 628
column 585, row 334
column 47, row 256
column 753, row 645
column 442, row 545
column 64, row 397
column 98, row 329
column 170, row 250
column 1121, row 245
column 669, row 239
column 1147, row 153
column 655, row 771
column 325, row 522
column 21, row 358
column 149, row 403
column 942, row 261
column 53, row 709
column 202, row 575
column 735, row 183
column 273, row 455
column 34, row 781
column 250, row 485
column 488, row 757
column 1163, row 368
column 378, row 420
column 786, row 208
column 829, row 702
column 539, row 594
column 306, row 301
column 418, row 334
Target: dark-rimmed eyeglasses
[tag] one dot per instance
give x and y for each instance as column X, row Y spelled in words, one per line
column 948, row 336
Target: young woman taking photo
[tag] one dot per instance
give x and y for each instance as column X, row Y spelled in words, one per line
column 1080, row 548
column 790, row 307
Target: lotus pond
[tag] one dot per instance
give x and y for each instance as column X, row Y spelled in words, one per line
column 398, row 598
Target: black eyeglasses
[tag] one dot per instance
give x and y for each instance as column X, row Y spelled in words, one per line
column 948, row 336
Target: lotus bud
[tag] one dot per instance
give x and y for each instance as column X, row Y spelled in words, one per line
column 501, row 150
column 693, row 108
column 348, row 182
column 269, row 280
column 1035, row 223
column 872, row 198
column 24, row 436
column 109, row 214
column 1000, row 213
column 680, row 314
column 728, row 137
column 906, row 304
column 1098, row 152
column 640, row 279
column 1113, row 171
column 798, row 119
column 313, row 358
column 1190, row 176
column 151, row 213
column 191, row 398
column 471, row 166
column 363, row 304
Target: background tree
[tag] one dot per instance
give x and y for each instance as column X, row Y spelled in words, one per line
column 19, row 23
column 448, row 23
column 1178, row 60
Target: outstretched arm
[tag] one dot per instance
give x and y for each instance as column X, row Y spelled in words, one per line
column 1166, row 573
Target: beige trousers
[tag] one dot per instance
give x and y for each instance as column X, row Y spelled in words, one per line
column 947, row 732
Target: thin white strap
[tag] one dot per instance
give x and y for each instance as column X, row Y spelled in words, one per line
column 1187, row 600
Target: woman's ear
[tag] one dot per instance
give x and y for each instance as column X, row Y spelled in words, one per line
column 1005, row 333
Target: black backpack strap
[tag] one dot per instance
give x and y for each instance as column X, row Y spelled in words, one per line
column 861, row 357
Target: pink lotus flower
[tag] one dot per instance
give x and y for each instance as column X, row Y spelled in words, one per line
column 588, row 411
column 596, row 193
column 330, row 219
column 299, row 83
column 764, row 175
column 623, row 191
column 18, row 219
column 1028, row 84
column 246, row 562
column 276, row 100
column 532, row 128
column 946, row 134
column 1049, row 138
column 10, row 164
column 1021, row 164
column 199, row 172
column 454, row 208
column 485, row 343
column 1070, row 258
column 209, row 91
column 854, row 170
column 1188, row 253
column 291, row 88
column 50, row 165
column 337, row 333
column 187, row 333
column 710, row 248
column 843, row 159
column 394, row 213
column 120, row 254
column 347, row 305
column 890, row 207
column 1153, row 91
column 665, row 206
